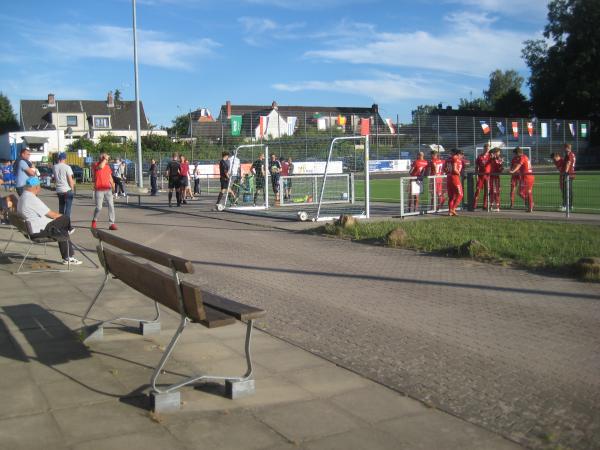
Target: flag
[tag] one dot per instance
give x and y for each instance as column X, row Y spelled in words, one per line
column 515, row 129
column 501, row 128
column 264, row 126
column 341, row 120
column 291, row 123
column 321, row 123
column 391, row 125
column 236, row 125
column 572, row 129
column 544, row 130
column 584, row 130
column 365, row 125
column 485, row 127
column 530, row 128
column 557, row 127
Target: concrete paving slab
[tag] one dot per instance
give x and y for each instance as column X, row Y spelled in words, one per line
column 135, row 441
column 70, row 392
column 288, row 360
column 327, row 380
column 359, row 439
column 36, row 431
column 20, row 395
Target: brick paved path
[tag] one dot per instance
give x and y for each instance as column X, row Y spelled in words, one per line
column 515, row 352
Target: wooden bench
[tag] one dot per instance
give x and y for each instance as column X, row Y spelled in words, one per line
column 192, row 303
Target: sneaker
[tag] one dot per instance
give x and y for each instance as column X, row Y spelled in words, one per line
column 184, row 202
column 113, row 227
column 94, row 224
column 72, row 261
column 563, row 208
column 72, row 230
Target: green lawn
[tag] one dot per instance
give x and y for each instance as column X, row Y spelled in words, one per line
column 530, row 244
column 546, row 192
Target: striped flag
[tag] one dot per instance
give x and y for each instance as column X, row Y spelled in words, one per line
column 365, row 125
column 501, row 128
column 291, row 123
column 572, row 129
column 515, row 129
column 530, row 128
column 390, row 125
column 341, row 120
column 485, row 127
column 544, row 130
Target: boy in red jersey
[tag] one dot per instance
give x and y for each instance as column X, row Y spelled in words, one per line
column 454, row 165
column 497, row 166
column 483, row 168
column 436, row 169
column 569, row 176
column 515, row 180
column 527, row 179
column 417, row 169
column 559, row 162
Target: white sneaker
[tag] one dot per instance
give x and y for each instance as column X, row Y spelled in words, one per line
column 563, row 208
column 73, row 261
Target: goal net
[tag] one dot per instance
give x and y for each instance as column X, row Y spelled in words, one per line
column 299, row 190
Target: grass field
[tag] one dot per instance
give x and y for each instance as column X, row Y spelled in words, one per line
column 529, row 244
column 546, row 192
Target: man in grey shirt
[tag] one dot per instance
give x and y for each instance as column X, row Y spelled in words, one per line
column 65, row 183
column 43, row 222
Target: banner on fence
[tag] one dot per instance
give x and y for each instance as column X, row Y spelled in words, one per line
column 317, row 167
column 389, row 165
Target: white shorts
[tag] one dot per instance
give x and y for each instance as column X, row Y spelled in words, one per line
column 415, row 187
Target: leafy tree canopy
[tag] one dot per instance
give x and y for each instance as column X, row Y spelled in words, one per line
column 8, row 119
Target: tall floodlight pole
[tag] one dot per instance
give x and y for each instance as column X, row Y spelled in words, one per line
column 140, row 178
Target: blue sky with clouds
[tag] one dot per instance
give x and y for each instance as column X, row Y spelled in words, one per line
column 199, row 53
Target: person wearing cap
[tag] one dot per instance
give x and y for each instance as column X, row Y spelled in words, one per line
column 65, row 183
column 23, row 169
column 43, row 222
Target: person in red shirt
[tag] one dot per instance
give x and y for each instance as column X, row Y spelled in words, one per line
column 454, row 166
column 103, row 190
column 515, row 180
column 417, row 169
column 527, row 179
column 559, row 162
column 483, row 168
column 184, row 180
column 497, row 166
column 436, row 169
column 569, row 176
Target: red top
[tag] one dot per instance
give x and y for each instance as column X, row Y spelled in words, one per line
column 496, row 165
column 418, row 167
column 102, row 177
column 454, row 165
column 285, row 168
column 184, row 169
column 483, row 163
column 525, row 168
column 560, row 164
column 435, row 166
column 513, row 164
column 570, row 161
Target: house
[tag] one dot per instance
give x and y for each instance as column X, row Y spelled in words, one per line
column 275, row 121
column 52, row 125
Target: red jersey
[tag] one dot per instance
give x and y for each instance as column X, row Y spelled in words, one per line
column 513, row 163
column 525, row 168
column 483, row 163
column 569, row 161
column 454, row 164
column 436, row 166
column 285, row 169
column 560, row 164
column 418, row 167
column 496, row 165
column 102, row 177
column 184, row 169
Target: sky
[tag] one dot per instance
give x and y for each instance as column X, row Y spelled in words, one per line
column 200, row 53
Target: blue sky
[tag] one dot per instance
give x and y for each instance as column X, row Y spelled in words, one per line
column 200, row 53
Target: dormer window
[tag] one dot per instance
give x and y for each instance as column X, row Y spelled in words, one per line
column 101, row 121
column 71, row 121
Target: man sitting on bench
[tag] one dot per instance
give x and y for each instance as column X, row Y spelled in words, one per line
column 43, row 222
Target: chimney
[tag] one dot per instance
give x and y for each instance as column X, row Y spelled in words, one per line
column 228, row 104
column 274, row 105
column 375, row 108
column 110, row 100
column 51, row 100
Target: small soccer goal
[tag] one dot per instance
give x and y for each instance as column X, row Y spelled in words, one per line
column 299, row 190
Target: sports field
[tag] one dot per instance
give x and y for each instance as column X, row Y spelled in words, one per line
column 546, row 192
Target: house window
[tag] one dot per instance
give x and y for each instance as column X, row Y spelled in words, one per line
column 101, row 122
column 71, row 121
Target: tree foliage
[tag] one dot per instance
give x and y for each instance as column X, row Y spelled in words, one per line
column 564, row 77
column 8, row 119
column 500, row 84
column 423, row 110
column 181, row 126
column 117, row 96
column 477, row 105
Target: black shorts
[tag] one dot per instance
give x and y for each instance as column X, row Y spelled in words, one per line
column 174, row 182
column 275, row 183
column 224, row 183
column 259, row 183
column 183, row 182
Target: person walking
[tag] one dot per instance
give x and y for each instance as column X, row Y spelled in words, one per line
column 153, row 171
column 454, row 166
column 103, row 190
column 64, row 183
column 569, row 176
column 23, row 169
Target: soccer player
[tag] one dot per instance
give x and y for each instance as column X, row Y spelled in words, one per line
column 258, row 170
column 569, row 176
column 496, row 167
column 559, row 162
column 275, row 169
column 483, row 167
column 527, row 179
column 515, row 180
column 184, row 179
column 436, row 169
column 173, row 174
column 224, row 175
column 417, row 169
column 454, row 166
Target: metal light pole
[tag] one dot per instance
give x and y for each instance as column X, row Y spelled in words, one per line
column 140, row 178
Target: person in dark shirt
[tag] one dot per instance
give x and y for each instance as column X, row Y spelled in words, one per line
column 224, row 176
column 173, row 174
column 275, row 170
column 258, row 170
column 153, row 171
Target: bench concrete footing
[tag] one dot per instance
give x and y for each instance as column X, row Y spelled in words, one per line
column 149, row 328
column 238, row 389
column 165, row 402
column 92, row 333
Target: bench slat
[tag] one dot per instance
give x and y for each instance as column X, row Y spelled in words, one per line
column 215, row 318
column 233, row 308
column 181, row 264
column 155, row 284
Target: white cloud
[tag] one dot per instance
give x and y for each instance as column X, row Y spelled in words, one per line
column 303, row 4
column 110, row 42
column 531, row 9
column 260, row 31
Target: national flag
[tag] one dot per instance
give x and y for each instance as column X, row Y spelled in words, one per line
column 264, row 126
column 291, row 123
column 365, row 125
column 584, row 130
column 321, row 123
column 390, row 125
column 544, row 130
column 236, row 125
column 557, row 127
column 530, row 128
column 515, row 129
column 572, row 129
column 341, row 120
column 485, row 127
column 501, row 128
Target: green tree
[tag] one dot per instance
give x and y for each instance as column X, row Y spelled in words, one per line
column 117, row 95
column 8, row 119
column 476, row 105
column 83, row 143
column 423, row 110
column 500, row 84
column 181, row 126
column 512, row 103
column 564, row 68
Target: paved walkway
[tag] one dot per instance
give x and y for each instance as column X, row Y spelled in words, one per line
column 513, row 352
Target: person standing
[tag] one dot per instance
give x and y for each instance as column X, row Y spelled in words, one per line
column 527, row 180
column 285, row 173
column 224, row 178
column 104, row 186
column 258, row 170
column 417, row 169
column 197, row 176
column 173, row 175
column 436, row 170
column 483, row 168
column 184, row 178
column 454, row 166
column 7, row 175
column 559, row 163
column 275, row 170
column 569, row 176
column 65, row 183
column 153, row 171
column 23, row 169
column 496, row 167
column 515, row 180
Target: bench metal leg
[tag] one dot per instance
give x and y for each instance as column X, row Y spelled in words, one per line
column 27, row 272
column 12, row 233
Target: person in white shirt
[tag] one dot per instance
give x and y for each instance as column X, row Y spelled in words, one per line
column 197, row 176
column 43, row 222
column 65, row 183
